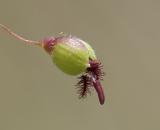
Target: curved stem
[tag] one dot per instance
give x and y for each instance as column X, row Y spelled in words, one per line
column 6, row 29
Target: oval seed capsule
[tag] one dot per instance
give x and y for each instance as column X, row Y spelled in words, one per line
column 70, row 54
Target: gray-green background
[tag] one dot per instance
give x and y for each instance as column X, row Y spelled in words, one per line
column 35, row 95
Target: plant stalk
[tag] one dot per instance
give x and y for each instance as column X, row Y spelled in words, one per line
column 6, row 29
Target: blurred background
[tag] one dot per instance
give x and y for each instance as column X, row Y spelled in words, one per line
column 35, row 95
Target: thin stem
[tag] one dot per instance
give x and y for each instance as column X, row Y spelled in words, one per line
column 6, row 29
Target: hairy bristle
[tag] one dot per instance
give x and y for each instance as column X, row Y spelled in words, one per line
column 91, row 78
column 96, row 69
column 84, row 86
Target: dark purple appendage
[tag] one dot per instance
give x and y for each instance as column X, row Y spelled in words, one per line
column 99, row 90
column 92, row 78
column 83, row 86
column 97, row 75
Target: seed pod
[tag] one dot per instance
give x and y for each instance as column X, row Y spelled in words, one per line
column 70, row 54
column 74, row 56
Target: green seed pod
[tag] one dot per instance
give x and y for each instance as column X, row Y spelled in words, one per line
column 70, row 54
